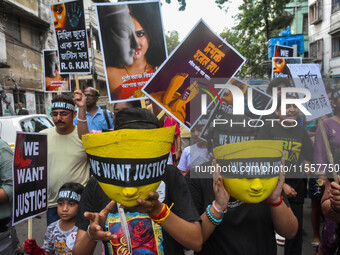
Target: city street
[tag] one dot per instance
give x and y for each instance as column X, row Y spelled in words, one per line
column 39, row 228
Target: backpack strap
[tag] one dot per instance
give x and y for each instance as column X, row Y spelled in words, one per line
column 107, row 119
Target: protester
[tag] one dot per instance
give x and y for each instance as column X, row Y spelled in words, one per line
column 179, row 226
column 67, row 160
column 6, row 194
column 329, row 238
column 96, row 117
column 230, row 226
column 61, row 234
column 22, row 110
column 196, row 154
column 299, row 150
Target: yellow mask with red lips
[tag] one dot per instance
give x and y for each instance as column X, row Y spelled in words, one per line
column 250, row 169
column 129, row 163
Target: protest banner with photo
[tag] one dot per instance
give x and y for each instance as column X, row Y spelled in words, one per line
column 68, row 18
column 29, row 176
column 131, row 58
column 283, row 51
column 228, row 125
column 203, row 56
column 279, row 66
column 53, row 80
column 308, row 76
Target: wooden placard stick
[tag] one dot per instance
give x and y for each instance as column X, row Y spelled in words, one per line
column 142, row 103
column 29, row 226
column 328, row 148
column 160, row 115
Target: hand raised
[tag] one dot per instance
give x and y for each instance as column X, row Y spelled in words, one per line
column 97, row 223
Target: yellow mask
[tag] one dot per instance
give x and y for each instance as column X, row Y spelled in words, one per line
column 243, row 183
column 129, row 163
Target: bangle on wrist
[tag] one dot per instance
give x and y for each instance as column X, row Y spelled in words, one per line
column 162, row 215
column 333, row 208
column 275, row 204
column 220, row 211
column 213, row 220
column 89, row 234
column 80, row 120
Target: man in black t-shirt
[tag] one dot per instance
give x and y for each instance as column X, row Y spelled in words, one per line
column 136, row 229
column 299, row 153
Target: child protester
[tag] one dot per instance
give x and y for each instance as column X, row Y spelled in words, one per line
column 61, row 234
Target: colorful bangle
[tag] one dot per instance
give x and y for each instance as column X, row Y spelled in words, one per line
column 162, row 215
column 80, row 120
column 277, row 203
column 213, row 220
column 214, row 206
column 333, row 208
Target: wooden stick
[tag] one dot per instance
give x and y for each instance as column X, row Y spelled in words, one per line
column 328, row 148
column 160, row 115
column 142, row 102
column 30, row 221
column 77, row 81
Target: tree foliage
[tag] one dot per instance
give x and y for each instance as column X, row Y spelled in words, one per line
column 255, row 23
column 172, row 40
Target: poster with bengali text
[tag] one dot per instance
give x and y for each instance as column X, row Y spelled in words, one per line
column 308, row 76
column 68, row 18
column 190, row 72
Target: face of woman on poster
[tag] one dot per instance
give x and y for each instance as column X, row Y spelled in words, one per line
column 142, row 39
column 59, row 15
column 118, row 35
column 279, row 64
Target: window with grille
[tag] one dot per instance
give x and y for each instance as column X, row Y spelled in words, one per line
column 336, row 45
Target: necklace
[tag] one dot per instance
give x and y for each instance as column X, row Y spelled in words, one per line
column 137, row 92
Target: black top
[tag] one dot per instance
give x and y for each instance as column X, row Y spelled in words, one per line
column 298, row 147
column 245, row 228
column 176, row 191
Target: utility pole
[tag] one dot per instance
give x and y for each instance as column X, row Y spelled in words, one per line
column 92, row 49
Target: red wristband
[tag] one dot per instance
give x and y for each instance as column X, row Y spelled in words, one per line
column 161, row 214
column 275, row 204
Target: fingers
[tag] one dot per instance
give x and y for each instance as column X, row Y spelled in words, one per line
column 107, row 208
column 98, row 233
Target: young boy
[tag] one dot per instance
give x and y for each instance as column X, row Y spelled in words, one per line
column 61, row 234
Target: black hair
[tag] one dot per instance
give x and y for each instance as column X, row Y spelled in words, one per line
column 148, row 15
column 135, row 118
column 63, row 98
column 92, row 88
column 72, row 186
column 277, row 82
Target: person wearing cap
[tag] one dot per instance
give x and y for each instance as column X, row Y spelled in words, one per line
column 67, row 159
column 96, row 118
column 329, row 237
column 135, row 229
column 61, row 234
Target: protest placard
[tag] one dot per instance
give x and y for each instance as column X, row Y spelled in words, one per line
column 131, row 58
column 201, row 55
column 68, row 18
column 29, row 176
column 283, row 51
column 53, row 80
column 279, row 66
column 308, row 76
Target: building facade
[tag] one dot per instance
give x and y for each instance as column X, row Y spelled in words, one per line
column 26, row 29
column 324, row 37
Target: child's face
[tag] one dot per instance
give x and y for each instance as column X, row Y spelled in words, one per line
column 67, row 210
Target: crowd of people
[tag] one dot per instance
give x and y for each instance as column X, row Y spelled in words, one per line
column 183, row 213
